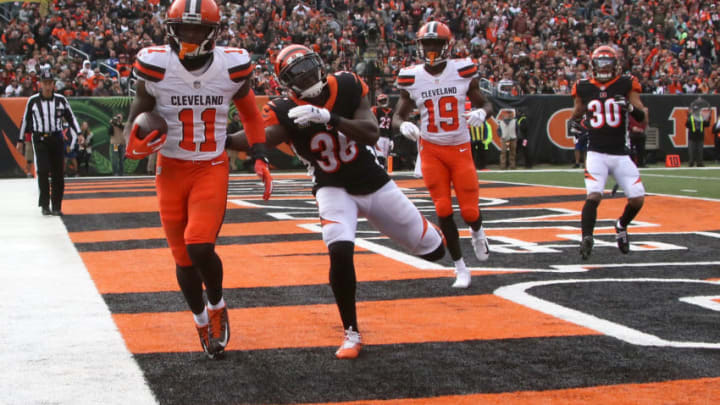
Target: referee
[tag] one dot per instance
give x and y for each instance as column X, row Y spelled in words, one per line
column 43, row 120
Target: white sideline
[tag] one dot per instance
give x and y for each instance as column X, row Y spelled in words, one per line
column 58, row 342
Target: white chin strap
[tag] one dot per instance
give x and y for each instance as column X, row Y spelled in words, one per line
column 313, row 91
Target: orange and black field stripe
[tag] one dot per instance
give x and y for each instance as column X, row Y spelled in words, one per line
column 424, row 342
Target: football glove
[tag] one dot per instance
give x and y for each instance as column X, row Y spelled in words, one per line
column 410, row 130
column 476, row 118
column 262, row 167
column 624, row 104
column 575, row 128
column 307, row 113
column 140, row 148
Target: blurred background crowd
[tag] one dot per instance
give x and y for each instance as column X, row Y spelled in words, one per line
column 520, row 46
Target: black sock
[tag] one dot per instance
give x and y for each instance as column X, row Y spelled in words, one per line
column 629, row 214
column 477, row 224
column 452, row 236
column 343, row 282
column 589, row 216
column 210, row 267
column 190, row 284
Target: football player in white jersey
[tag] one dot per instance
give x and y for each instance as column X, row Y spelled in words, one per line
column 438, row 88
column 190, row 82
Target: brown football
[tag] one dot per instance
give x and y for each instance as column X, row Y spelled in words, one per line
column 150, row 121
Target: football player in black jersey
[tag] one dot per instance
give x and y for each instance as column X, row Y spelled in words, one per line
column 383, row 114
column 604, row 101
column 328, row 123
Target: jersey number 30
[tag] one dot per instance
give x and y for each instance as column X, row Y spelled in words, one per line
column 333, row 152
column 604, row 113
column 188, row 142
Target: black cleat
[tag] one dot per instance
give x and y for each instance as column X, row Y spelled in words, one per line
column 586, row 246
column 56, row 213
column 46, row 211
column 622, row 239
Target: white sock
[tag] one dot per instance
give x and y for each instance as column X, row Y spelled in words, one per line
column 201, row 319
column 479, row 233
column 618, row 224
column 219, row 305
column 460, row 265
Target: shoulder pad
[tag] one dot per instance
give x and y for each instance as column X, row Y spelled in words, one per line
column 151, row 62
column 238, row 61
column 406, row 77
column 467, row 69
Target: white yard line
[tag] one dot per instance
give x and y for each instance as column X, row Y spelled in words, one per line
column 59, row 342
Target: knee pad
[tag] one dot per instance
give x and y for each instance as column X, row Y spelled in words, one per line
column 443, row 207
column 436, row 254
column 470, row 213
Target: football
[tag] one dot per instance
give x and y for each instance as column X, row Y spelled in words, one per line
column 150, row 121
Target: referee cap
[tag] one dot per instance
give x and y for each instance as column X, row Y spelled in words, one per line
column 46, row 75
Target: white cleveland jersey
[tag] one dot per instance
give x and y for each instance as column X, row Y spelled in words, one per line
column 195, row 107
column 440, row 99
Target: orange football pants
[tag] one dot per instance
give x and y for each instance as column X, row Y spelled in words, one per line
column 192, row 196
column 446, row 165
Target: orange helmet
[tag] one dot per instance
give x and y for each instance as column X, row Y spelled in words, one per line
column 301, row 70
column 434, row 42
column 192, row 27
column 604, row 63
column 383, row 100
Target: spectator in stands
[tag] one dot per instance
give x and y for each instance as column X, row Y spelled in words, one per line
column 14, row 89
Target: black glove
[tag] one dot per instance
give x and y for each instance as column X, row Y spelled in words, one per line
column 575, row 128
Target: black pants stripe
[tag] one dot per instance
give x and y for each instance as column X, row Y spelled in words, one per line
column 50, row 161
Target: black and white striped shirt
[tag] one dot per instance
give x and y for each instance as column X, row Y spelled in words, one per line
column 44, row 115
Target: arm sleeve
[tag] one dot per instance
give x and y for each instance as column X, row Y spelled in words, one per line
column 26, row 126
column 251, row 119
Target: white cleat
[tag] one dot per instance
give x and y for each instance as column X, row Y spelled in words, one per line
column 462, row 279
column 480, row 244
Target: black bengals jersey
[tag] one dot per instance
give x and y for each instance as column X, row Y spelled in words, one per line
column 331, row 158
column 384, row 119
column 605, row 120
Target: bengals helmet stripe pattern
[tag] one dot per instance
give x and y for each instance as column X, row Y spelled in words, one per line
column 286, row 54
column 406, row 80
column 148, row 72
column 241, row 72
column 468, row 71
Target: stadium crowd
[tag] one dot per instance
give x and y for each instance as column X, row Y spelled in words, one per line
column 521, row 46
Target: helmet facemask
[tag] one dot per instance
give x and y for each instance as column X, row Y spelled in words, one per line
column 604, row 68
column 304, row 75
column 192, row 40
column 434, row 51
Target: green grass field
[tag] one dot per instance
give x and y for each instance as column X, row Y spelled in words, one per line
column 700, row 182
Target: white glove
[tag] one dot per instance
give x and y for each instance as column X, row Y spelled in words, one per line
column 475, row 118
column 410, row 130
column 306, row 113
